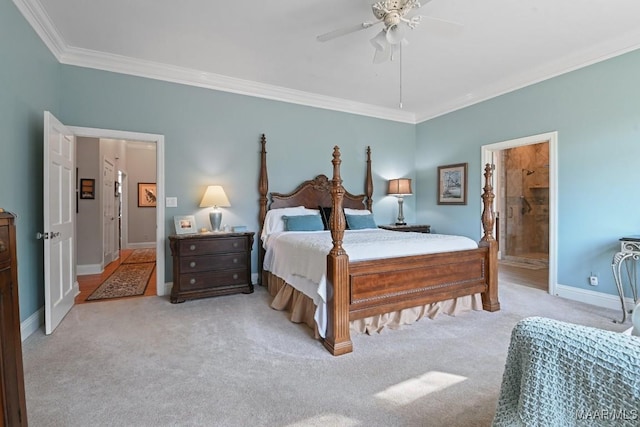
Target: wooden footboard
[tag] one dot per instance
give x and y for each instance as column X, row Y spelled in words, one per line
column 361, row 289
column 387, row 285
column 366, row 288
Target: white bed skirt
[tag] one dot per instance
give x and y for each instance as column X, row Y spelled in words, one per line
column 301, row 309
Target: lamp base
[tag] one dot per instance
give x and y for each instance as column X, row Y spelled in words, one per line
column 215, row 218
column 401, row 223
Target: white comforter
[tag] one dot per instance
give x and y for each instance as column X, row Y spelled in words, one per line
column 300, row 258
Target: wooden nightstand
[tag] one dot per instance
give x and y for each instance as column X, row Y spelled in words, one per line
column 408, row 227
column 210, row 264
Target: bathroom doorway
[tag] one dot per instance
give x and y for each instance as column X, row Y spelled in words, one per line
column 525, row 205
column 526, row 187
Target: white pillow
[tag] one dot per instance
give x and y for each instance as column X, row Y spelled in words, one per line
column 273, row 222
column 349, row 211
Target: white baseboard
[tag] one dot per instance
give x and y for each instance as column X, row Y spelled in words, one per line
column 254, row 278
column 82, row 270
column 142, row 245
column 167, row 289
column 32, row 323
column 591, row 297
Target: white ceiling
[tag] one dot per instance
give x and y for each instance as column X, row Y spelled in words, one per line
column 269, row 48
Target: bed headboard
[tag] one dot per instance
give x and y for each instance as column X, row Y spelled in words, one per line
column 313, row 193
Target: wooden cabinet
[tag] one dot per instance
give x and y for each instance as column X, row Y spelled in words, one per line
column 210, row 264
column 408, row 227
column 14, row 409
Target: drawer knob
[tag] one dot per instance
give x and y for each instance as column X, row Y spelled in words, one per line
column 235, row 244
column 235, row 276
column 192, row 281
column 235, row 260
column 192, row 247
column 192, row 264
column 3, row 246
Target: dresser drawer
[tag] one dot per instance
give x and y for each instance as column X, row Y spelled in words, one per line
column 192, row 264
column 210, row 279
column 5, row 244
column 212, row 246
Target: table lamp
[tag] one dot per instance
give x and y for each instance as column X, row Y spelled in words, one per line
column 399, row 188
column 215, row 198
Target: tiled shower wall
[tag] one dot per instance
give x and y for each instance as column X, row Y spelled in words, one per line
column 524, row 216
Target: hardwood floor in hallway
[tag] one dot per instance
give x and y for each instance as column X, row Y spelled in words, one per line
column 533, row 277
column 90, row 282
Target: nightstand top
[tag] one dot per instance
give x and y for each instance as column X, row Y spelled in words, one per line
column 420, row 228
column 210, row 234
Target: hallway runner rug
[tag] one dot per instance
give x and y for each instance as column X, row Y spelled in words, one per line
column 141, row 255
column 128, row 280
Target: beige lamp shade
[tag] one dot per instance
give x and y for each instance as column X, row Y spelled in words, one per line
column 400, row 187
column 215, row 197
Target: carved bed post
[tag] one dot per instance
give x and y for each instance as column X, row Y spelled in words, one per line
column 368, row 182
column 490, row 297
column 263, row 188
column 337, row 339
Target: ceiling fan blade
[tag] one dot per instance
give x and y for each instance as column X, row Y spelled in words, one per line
column 344, row 31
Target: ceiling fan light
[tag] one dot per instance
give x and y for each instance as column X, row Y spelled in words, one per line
column 379, row 41
column 384, row 55
column 395, row 34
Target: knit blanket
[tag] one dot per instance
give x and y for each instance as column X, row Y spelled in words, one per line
column 561, row 374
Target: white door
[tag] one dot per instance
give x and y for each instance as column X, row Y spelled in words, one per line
column 108, row 211
column 60, row 287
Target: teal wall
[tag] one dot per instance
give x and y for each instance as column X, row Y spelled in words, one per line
column 596, row 112
column 213, row 137
column 29, row 83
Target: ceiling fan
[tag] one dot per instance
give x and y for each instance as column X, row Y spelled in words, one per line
column 394, row 15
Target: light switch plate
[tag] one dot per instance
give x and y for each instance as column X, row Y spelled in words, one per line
column 171, row 202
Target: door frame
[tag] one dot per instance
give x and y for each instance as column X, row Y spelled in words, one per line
column 551, row 137
column 159, row 141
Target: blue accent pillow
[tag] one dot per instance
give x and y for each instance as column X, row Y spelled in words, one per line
column 360, row 222
column 302, row 223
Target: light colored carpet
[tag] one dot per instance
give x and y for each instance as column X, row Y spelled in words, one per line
column 128, row 280
column 232, row 361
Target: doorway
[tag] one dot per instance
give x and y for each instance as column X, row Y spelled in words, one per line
column 526, row 204
column 155, row 233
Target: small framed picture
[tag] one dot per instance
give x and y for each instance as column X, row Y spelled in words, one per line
column 452, row 184
column 87, row 188
column 185, row 224
column 147, row 195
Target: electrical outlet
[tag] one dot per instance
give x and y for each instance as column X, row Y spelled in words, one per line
column 593, row 280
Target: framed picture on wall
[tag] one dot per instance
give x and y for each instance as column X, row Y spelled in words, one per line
column 147, row 195
column 87, row 188
column 185, row 224
column 452, row 184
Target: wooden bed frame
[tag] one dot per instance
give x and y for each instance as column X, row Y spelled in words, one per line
column 366, row 288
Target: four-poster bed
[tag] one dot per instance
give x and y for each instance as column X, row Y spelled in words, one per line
column 359, row 289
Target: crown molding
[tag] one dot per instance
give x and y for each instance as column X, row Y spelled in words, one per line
column 171, row 73
column 594, row 54
column 43, row 26
column 39, row 20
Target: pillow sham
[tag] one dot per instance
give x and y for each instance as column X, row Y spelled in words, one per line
column 361, row 222
column 350, row 211
column 303, row 223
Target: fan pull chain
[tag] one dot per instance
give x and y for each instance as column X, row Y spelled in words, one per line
column 400, row 76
